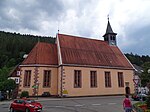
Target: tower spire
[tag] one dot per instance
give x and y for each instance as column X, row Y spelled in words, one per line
column 110, row 36
column 109, row 29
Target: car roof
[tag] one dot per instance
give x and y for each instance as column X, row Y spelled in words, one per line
column 24, row 99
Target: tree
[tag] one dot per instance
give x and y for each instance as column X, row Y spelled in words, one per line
column 11, row 62
column 145, row 77
column 4, row 74
column 8, row 86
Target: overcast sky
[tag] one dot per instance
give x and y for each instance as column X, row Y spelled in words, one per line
column 130, row 19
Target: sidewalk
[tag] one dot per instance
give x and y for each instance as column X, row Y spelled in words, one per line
column 5, row 102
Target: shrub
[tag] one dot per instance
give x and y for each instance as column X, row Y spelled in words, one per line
column 148, row 101
column 24, row 94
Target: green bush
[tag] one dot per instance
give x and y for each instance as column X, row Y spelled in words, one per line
column 137, row 105
column 148, row 101
column 24, row 94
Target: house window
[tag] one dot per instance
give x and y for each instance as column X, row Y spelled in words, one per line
column 120, row 79
column 46, row 78
column 18, row 73
column 17, row 80
column 27, row 78
column 107, row 79
column 77, row 78
column 93, row 79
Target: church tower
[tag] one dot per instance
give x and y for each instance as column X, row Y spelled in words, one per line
column 110, row 36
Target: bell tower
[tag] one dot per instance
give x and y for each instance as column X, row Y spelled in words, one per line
column 110, row 36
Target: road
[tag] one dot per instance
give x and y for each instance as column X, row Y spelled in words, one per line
column 82, row 104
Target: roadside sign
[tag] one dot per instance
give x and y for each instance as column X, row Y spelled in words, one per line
column 35, row 86
column 136, row 81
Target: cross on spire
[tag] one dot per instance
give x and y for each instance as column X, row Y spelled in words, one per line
column 108, row 17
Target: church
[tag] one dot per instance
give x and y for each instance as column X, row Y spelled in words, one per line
column 77, row 66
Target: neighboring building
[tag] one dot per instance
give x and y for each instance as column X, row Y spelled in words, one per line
column 15, row 75
column 138, row 87
column 77, row 66
column 138, row 70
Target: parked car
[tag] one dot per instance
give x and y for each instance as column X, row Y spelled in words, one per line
column 25, row 105
column 3, row 96
column 46, row 94
column 138, row 97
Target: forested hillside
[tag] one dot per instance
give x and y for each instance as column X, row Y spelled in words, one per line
column 137, row 59
column 13, row 46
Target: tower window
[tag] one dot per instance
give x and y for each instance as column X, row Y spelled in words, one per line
column 113, row 37
column 106, row 39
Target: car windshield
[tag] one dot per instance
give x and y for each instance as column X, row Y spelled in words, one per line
column 30, row 101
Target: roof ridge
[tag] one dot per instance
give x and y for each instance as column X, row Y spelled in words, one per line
column 81, row 37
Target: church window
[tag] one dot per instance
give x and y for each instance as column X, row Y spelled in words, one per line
column 120, row 79
column 27, row 78
column 46, row 78
column 77, row 78
column 107, row 79
column 93, row 79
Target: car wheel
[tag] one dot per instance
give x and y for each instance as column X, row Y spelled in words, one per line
column 27, row 110
column 12, row 110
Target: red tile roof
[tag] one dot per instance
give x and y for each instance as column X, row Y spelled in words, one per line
column 84, row 51
column 42, row 53
column 78, row 51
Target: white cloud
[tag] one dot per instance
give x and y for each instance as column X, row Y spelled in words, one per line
column 128, row 18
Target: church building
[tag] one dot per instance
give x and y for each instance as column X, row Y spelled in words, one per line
column 77, row 66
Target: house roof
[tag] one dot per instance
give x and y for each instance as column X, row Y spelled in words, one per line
column 138, row 69
column 13, row 72
column 84, row 51
column 78, row 51
column 42, row 53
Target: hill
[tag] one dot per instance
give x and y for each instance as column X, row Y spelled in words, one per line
column 14, row 45
column 137, row 59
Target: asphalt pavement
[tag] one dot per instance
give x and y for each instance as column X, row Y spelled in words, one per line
column 80, row 104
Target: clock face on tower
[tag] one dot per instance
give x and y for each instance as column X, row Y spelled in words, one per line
column 112, row 43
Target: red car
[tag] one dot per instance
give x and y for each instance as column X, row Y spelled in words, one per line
column 25, row 105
